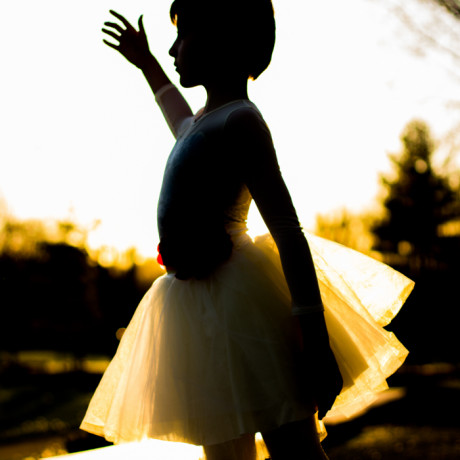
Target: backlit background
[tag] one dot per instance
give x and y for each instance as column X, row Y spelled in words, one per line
column 81, row 135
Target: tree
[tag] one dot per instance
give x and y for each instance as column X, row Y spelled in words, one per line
column 419, row 201
column 55, row 296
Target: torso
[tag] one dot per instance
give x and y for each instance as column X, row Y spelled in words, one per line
column 202, row 184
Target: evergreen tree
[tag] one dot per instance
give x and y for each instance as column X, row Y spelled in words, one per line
column 419, row 200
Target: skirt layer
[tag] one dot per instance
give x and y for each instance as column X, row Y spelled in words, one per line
column 205, row 361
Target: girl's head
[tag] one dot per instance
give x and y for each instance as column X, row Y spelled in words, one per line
column 240, row 33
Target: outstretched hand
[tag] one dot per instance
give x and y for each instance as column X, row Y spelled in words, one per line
column 132, row 44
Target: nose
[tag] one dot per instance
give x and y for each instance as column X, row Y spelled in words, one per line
column 173, row 50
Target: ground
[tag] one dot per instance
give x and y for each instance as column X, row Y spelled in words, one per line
column 39, row 416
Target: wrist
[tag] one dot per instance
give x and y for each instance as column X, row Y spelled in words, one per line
column 313, row 327
column 306, row 309
column 147, row 61
column 153, row 73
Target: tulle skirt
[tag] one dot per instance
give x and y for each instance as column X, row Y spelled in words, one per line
column 205, row 361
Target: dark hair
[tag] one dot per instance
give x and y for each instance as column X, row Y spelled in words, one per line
column 247, row 26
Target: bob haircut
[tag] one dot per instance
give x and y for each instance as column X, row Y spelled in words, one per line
column 246, row 28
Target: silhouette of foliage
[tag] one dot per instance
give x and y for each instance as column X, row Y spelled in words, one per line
column 347, row 228
column 421, row 201
column 54, row 296
column 418, row 202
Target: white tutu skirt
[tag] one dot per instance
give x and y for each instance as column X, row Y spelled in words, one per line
column 205, row 361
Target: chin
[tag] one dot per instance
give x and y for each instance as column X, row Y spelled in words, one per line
column 188, row 82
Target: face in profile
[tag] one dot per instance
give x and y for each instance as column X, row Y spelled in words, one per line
column 198, row 59
column 186, row 61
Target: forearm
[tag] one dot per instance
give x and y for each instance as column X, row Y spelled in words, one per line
column 174, row 107
column 307, row 308
column 299, row 269
column 154, row 74
column 249, row 135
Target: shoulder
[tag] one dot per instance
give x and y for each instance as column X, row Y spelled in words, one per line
column 245, row 116
column 246, row 128
column 248, row 137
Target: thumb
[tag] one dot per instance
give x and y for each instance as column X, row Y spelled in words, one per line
column 141, row 24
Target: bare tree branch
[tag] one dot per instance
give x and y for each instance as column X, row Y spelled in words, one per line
column 453, row 6
column 433, row 27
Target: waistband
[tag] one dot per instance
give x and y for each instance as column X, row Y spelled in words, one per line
column 238, row 232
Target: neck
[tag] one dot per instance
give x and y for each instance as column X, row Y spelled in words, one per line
column 225, row 92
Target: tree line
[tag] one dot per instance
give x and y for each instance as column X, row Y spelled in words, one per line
column 417, row 233
column 55, row 295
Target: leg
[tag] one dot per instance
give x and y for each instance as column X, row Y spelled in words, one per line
column 243, row 448
column 297, row 440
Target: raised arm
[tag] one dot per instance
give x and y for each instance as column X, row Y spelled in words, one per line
column 133, row 45
column 248, row 135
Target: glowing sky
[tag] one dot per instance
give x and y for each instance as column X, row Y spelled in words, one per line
column 81, row 134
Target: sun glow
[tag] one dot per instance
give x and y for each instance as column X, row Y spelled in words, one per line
column 149, row 449
column 85, row 133
column 144, row 450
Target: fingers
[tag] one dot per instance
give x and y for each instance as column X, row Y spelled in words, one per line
column 141, row 24
column 324, row 404
column 328, row 385
column 121, row 18
column 131, row 43
column 112, row 45
column 115, row 26
column 111, row 33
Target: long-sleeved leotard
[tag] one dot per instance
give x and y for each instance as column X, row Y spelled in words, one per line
column 220, row 160
column 211, row 358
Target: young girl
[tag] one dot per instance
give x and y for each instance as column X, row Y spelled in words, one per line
column 232, row 340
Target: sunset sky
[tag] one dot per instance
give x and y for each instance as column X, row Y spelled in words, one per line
column 81, row 135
